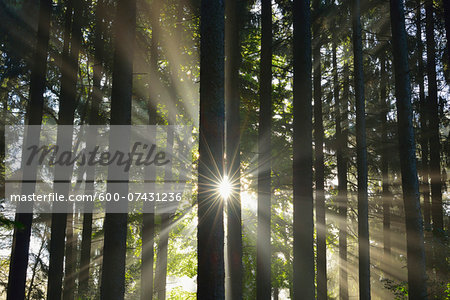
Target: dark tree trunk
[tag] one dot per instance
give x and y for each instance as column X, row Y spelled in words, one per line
column 386, row 194
column 161, row 263
column 263, row 250
column 341, row 157
column 21, row 239
column 148, row 225
column 435, row 145
column 115, row 225
column 321, row 226
column 70, row 264
column 361, row 159
column 424, row 166
column 67, row 103
column 233, row 139
column 303, row 266
column 96, row 98
column 211, row 270
column 414, row 232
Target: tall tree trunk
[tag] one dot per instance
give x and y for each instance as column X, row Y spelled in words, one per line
column 435, row 145
column 96, row 98
column 67, row 103
column 424, row 167
column 321, row 226
column 70, row 264
column 21, row 239
column 232, row 144
column 211, row 270
column 341, row 157
column 115, row 225
column 303, row 266
column 361, row 159
column 386, row 194
column 414, row 232
column 161, row 264
column 263, row 250
column 148, row 225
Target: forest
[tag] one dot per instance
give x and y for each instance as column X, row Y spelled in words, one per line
column 309, row 144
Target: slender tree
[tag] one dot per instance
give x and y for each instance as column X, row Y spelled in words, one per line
column 341, row 157
column 263, row 252
column 21, row 239
column 95, row 101
column 435, row 145
column 148, row 225
column 211, row 270
column 319, row 158
column 67, row 104
column 115, row 225
column 361, row 159
column 414, row 232
column 424, row 141
column 303, row 279
column 233, row 138
column 386, row 193
column 164, row 231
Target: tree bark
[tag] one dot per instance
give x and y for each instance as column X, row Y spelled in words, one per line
column 67, row 104
column 423, row 119
column 21, row 239
column 263, row 250
column 96, row 98
column 71, row 261
column 435, row 145
column 414, row 232
column 303, row 266
column 386, row 194
column 148, row 225
column 161, row 263
column 115, row 225
column 211, row 270
column 321, row 226
column 341, row 157
column 361, row 159
column 232, row 144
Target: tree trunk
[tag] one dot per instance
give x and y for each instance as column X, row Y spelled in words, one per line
column 435, row 145
column 148, row 225
column 386, row 194
column 115, row 225
column 410, row 185
column 424, row 166
column 303, row 266
column 233, row 139
column 161, row 263
column 211, row 270
column 71, row 261
column 67, row 103
column 37, row 261
column 263, row 252
column 341, row 157
column 96, row 98
column 321, row 226
column 21, row 239
column 361, row 159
